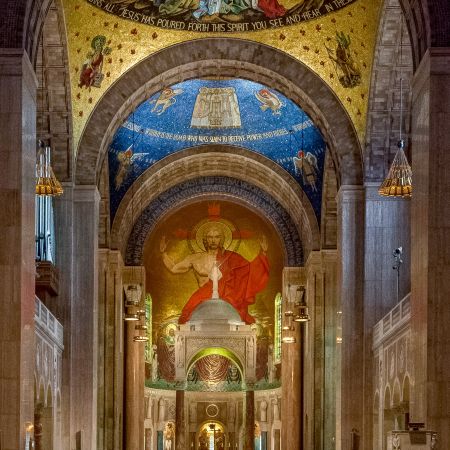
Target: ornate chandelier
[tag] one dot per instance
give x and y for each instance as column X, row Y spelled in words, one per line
column 46, row 181
column 398, row 183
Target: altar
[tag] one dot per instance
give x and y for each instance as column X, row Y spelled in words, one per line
column 215, row 324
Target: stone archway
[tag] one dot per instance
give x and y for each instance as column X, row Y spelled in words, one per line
column 229, row 162
column 218, row 187
column 229, row 58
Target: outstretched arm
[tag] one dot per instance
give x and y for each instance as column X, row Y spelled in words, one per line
column 180, row 267
column 264, row 244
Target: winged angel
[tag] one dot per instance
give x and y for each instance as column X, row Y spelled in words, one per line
column 126, row 159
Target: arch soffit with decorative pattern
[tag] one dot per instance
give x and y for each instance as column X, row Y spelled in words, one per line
column 217, row 161
column 229, row 58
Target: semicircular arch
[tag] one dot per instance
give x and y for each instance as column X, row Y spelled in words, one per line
column 222, row 351
column 231, row 58
column 216, row 188
column 251, row 172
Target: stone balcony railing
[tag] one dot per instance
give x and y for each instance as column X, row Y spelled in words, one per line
column 47, row 323
column 398, row 317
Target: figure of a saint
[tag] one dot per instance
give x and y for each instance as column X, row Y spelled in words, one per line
column 236, row 280
column 169, row 436
column 91, row 71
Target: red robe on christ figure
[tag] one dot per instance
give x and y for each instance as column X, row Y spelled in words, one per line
column 241, row 280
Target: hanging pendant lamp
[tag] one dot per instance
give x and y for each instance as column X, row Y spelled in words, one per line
column 398, row 182
column 46, row 182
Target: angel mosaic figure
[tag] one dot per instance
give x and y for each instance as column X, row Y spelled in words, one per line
column 346, row 68
column 126, row 159
column 306, row 165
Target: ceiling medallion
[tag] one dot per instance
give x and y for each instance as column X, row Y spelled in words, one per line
column 212, row 410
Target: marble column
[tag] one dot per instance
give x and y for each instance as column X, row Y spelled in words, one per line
column 134, row 371
column 291, row 376
column 249, row 419
column 180, row 421
column 111, row 358
column 84, row 319
column 350, row 396
column 430, row 240
column 17, row 267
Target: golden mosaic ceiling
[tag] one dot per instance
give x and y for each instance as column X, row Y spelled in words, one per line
column 338, row 46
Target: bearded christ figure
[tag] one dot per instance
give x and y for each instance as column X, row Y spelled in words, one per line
column 224, row 273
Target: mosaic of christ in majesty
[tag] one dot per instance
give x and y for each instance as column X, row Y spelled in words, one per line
column 221, row 273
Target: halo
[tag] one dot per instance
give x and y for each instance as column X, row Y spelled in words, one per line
column 204, row 228
column 165, row 328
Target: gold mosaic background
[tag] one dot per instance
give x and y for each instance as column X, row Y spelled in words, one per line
column 170, row 292
column 131, row 42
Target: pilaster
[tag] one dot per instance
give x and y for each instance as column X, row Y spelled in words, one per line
column 134, row 376
column 430, row 236
column 61, row 305
column 320, row 374
column 17, row 266
column 180, row 421
column 350, row 402
column 291, row 370
column 111, row 356
column 387, row 227
column 84, row 318
column 249, row 419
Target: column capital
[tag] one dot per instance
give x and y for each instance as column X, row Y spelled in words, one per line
column 108, row 256
column 15, row 62
column 350, row 192
column 435, row 61
column 316, row 259
column 86, row 193
column 293, row 275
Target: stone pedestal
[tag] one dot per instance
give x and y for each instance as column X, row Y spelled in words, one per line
column 350, row 401
column 17, row 268
column 430, row 237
